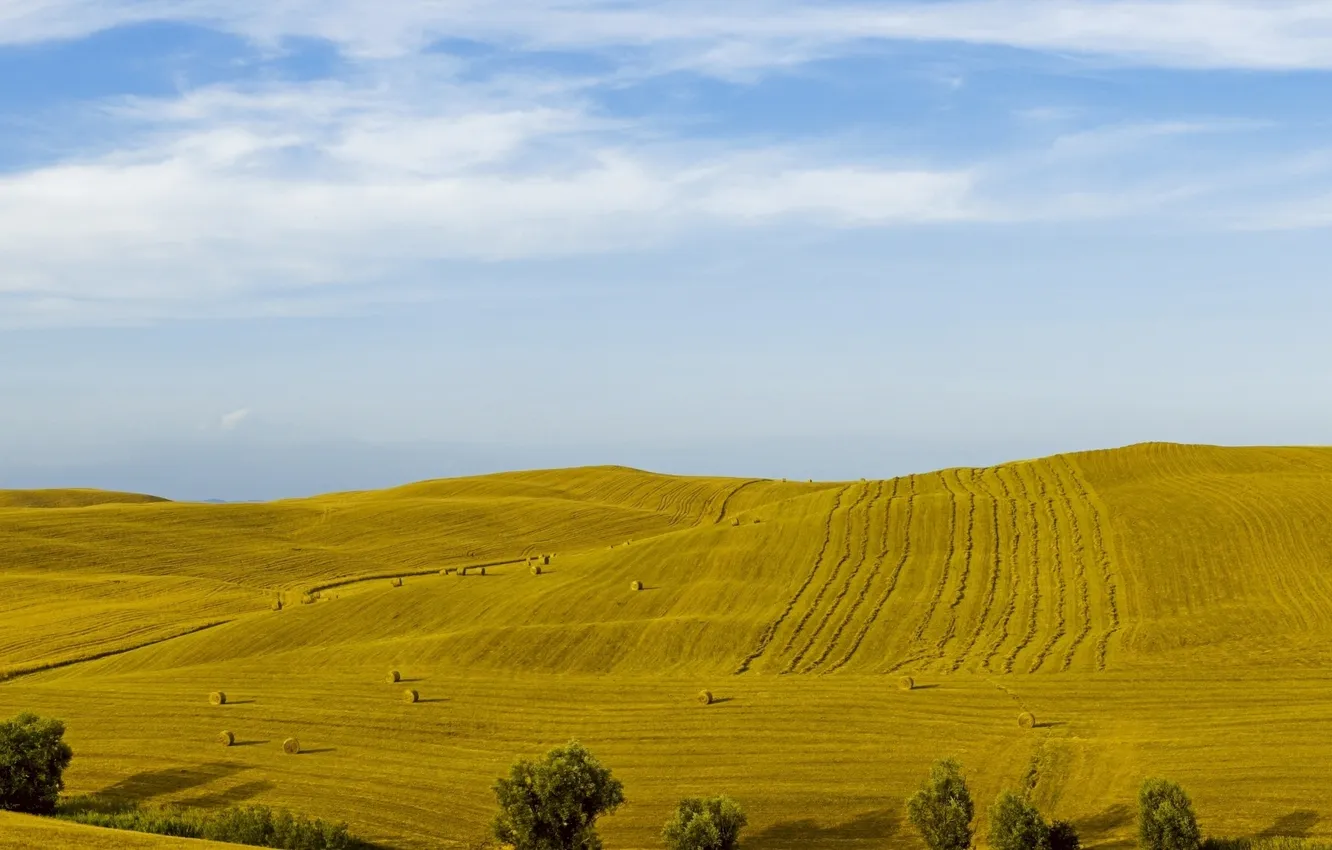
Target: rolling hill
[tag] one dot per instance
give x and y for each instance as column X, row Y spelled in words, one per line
column 1161, row 608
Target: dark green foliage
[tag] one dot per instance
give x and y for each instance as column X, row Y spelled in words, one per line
column 942, row 809
column 1063, row 836
column 705, row 824
column 554, row 804
column 256, row 826
column 33, row 758
column 1015, row 824
column 1165, row 817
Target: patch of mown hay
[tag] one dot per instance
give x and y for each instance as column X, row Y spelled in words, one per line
column 217, row 698
column 226, row 739
column 638, row 585
column 1026, row 720
column 410, row 695
column 906, row 683
column 705, row 697
column 291, row 746
column 393, row 677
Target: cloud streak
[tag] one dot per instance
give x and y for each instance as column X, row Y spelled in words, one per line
column 743, row 34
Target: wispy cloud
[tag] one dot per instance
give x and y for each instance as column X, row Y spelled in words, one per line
column 1261, row 34
column 233, row 420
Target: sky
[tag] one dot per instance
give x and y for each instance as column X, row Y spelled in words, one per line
column 253, row 249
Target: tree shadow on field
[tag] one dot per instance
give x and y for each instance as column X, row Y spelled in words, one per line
column 870, row 829
column 242, row 793
column 171, row 780
column 1297, row 824
column 1100, row 829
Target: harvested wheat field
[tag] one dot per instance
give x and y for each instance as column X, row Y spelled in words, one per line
column 1157, row 610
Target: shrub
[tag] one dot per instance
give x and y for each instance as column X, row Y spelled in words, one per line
column 33, row 758
column 705, row 824
column 256, row 826
column 1165, row 817
column 1015, row 824
column 942, row 809
column 554, row 804
column 1063, row 836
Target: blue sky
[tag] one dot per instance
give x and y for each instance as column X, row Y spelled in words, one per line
column 257, row 249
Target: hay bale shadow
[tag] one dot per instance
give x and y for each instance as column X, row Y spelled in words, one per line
column 432, row 699
column 305, row 752
column 249, row 743
column 929, row 687
column 721, row 700
column 1049, row 724
column 877, row 828
column 1297, row 824
column 240, row 701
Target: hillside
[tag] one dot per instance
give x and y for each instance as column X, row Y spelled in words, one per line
column 1122, row 594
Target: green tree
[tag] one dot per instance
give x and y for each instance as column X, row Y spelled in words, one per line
column 1165, row 817
column 705, row 824
column 942, row 809
column 33, row 758
column 554, row 804
column 1015, row 824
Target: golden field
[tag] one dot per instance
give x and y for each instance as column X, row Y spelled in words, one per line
column 1161, row 609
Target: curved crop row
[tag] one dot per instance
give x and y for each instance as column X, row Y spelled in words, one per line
column 837, row 600
column 964, row 576
column 924, row 623
column 1057, row 569
column 882, row 601
column 991, row 589
column 1015, row 579
column 874, row 572
column 765, row 638
column 1103, row 559
column 1079, row 570
column 1035, row 563
column 830, row 580
column 726, row 500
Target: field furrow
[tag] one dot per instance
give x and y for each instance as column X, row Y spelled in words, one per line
column 991, row 587
column 873, row 574
column 1034, row 563
column 1014, row 575
column 1056, row 570
column 829, row 582
column 858, row 563
column 766, row 636
column 964, row 574
column 882, row 601
column 1082, row 588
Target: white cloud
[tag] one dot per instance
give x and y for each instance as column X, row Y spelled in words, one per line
column 1263, row 34
column 232, row 420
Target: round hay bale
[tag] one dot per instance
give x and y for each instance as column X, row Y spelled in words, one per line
column 638, row 585
column 445, row 571
column 410, row 695
column 735, row 520
column 483, row 571
column 226, row 739
column 545, row 559
column 906, row 683
column 1026, row 720
column 217, row 698
column 536, row 569
column 291, row 746
column 393, row 677
column 277, row 604
column 397, row 582
column 757, row 520
column 462, row 571
column 705, row 697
